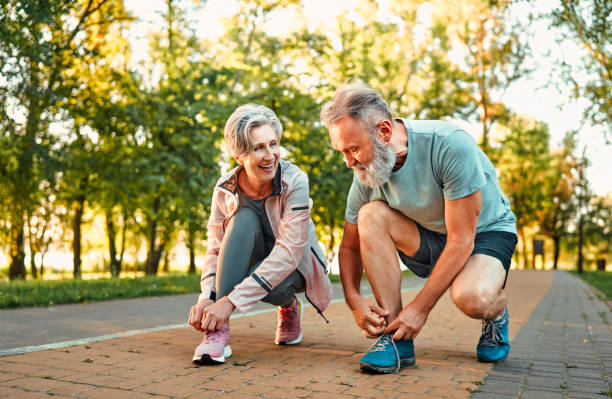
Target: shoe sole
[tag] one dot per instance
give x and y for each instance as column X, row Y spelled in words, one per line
column 295, row 341
column 298, row 339
column 405, row 362
column 206, row 359
column 484, row 360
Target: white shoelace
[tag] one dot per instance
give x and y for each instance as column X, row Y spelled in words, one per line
column 381, row 345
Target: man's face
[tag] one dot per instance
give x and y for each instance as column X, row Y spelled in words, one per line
column 371, row 160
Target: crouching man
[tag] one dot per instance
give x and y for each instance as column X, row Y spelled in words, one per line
column 422, row 190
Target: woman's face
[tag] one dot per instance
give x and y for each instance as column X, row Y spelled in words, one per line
column 261, row 163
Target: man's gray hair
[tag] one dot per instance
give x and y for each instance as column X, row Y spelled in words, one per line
column 238, row 128
column 358, row 101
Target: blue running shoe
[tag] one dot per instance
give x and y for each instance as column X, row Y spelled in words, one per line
column 493, row 344
column 388, row 355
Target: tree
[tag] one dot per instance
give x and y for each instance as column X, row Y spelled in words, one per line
column 583, row 197
column 40, row 44
column 523, row 161
column 179, row 156
column 588, row 22
column 495, row 55
column 557, row 212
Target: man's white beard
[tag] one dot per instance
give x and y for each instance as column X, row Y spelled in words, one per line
column 378, row 171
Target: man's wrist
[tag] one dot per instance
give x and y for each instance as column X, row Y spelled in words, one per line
column 352, row 299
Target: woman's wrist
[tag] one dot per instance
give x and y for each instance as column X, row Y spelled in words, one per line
column 229, row 301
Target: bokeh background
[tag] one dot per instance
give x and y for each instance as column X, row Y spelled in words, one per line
column 112, row 112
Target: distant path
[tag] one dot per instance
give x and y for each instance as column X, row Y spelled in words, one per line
column 563, row 351
column 28, row 329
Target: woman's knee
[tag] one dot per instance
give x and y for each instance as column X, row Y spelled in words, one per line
column 246, row 220
column 243, row 216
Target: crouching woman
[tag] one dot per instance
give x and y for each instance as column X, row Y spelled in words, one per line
column 262, row 244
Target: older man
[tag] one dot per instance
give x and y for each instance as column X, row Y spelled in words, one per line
column 422, row 190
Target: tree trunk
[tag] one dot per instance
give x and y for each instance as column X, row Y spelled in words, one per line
column 191, row 245
column 42, row 263
column 153, row 260
column 112, row 247
column 152, row 263
column 32, row 249
column 580, row 243
column 524, row 256
column 123, row 229
column 17, row 268
column 32, row 263
column 556, row 241
column 166, row 261
column 76, row 243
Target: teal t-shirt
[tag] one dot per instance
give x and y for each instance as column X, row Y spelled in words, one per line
column 443, row 163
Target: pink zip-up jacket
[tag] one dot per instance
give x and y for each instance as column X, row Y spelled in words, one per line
column 288, row 210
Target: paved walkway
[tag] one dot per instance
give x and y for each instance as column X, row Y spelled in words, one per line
column 563, row 351
column 549, row 356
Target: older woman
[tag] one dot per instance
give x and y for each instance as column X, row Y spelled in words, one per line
column 262, row 244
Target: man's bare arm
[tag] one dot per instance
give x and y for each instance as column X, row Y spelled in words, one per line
column 461, row 218
column 349, row 259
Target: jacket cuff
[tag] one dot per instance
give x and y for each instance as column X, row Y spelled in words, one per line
column 207, row 294
column 234, row 297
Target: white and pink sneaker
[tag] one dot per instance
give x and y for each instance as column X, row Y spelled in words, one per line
column 214, row 347
column 289, row 330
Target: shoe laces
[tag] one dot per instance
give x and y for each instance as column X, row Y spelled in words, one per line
column 214, row 336
column 491, row 333
column 285, row 312
column 382, row 344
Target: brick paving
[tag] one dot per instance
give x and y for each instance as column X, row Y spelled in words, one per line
column 325, row 364
column 563, row 351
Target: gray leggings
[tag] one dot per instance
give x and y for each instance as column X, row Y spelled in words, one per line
column 242, row 251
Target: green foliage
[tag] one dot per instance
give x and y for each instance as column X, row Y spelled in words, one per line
column 588, row 22
column 495, row 56
column 54, row 292
column 81, row 125
column 41, row 48
column 523, row 163
column 558, row 187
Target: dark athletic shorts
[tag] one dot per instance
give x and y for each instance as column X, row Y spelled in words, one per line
column 498, row 244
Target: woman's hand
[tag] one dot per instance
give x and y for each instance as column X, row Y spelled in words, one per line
column 196, row 313
column 216, row 314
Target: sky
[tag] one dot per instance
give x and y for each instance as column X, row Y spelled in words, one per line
column 529, row 96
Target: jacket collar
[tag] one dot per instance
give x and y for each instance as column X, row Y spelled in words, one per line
column 231, row 183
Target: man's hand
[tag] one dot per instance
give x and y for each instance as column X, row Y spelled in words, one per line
column 369, row 316
column 408, row 323
column 196, row 313
column 216, row 314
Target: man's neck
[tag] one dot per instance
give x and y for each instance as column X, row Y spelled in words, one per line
column 399, row 143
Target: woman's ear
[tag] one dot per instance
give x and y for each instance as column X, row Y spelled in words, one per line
column 238, row 160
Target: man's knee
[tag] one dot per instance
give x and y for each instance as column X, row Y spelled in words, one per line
column 474, row 300
column 372, row 216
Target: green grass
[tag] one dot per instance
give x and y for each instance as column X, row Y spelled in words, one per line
column 26, row 293
column 17, row 294
column 598, row 279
